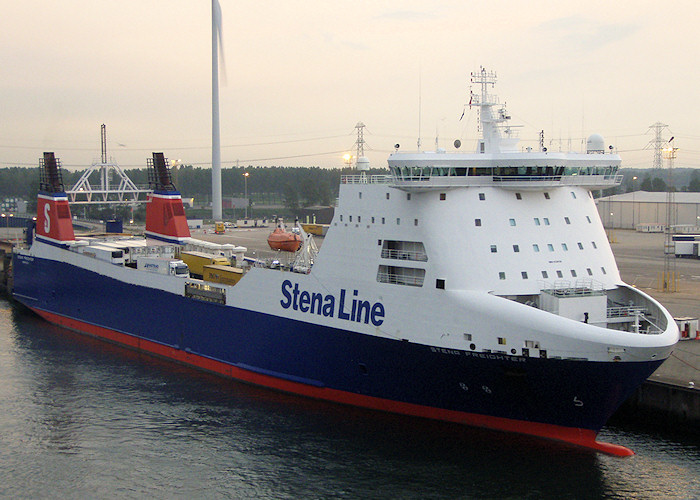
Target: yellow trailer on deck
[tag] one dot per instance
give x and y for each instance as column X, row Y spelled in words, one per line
column 197, row 260
column 226, row 275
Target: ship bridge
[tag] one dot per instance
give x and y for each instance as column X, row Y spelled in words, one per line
column 522, row 171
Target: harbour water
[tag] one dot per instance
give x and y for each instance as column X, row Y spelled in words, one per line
column 83, row 419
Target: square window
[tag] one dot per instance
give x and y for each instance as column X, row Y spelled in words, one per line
column 573, row 273
column 360, row 194
column 398, row 221
column 501, row 275
column 501, row 340
column 512, row 222
column 516, row 248
column 372, row 220
column 546, row 195
column 560, row 274
column 415, row 222
column 524, row 274
column 440, row 284
column 566, row 219
column 546, row 221
column 550, row 247
column 351, row 218
column 518, row 196
column 564, row 247
column 588, row 270
column 537, row 221
column 494, row 249
column 341, row 218
column 580, row 245
column 545, row 275
column 382, row 220
column 594, row 245
column 359, row 218
column 482, row 196
column 379, row 242
column 468, row 337
column 408, row 196
column 477, row 222
column 443, row 196
column 535, row 247
column 387, row 196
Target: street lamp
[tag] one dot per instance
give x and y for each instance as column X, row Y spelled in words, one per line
column 245, row 193
column 633, row 191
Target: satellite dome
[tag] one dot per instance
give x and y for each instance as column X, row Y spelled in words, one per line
column 363, row 163
column 595, row 144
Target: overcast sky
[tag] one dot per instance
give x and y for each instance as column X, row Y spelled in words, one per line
column 300, row 75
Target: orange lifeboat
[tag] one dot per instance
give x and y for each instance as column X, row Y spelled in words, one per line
column 281, row 239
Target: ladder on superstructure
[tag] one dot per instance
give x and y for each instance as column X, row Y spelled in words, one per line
column 123, row 191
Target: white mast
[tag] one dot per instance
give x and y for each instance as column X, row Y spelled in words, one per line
column 216, row 207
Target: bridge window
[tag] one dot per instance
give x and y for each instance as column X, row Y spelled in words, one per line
column 477, row 222
column 501, row 275
column 512, row 222
column 482, row 196
column 546, row 195
column 537, row 221
column 516, row 248
column 535, row 247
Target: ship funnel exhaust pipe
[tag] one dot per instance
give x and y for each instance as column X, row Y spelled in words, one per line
column 54, row 224
column 165, row 214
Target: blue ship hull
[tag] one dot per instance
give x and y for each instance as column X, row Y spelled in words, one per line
column 521, row 394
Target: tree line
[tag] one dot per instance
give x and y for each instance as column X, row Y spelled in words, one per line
column 296, row 187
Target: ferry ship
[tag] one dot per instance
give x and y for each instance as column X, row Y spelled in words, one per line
column 476, row 288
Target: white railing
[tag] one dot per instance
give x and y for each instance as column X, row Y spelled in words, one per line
column 404, row 255
column 365, row 179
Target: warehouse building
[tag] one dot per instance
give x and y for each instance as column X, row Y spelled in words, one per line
column 643, row 208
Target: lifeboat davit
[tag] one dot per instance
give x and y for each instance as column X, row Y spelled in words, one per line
column 281, row 239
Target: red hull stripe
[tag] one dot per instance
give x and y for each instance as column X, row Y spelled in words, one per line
column 576, row 436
